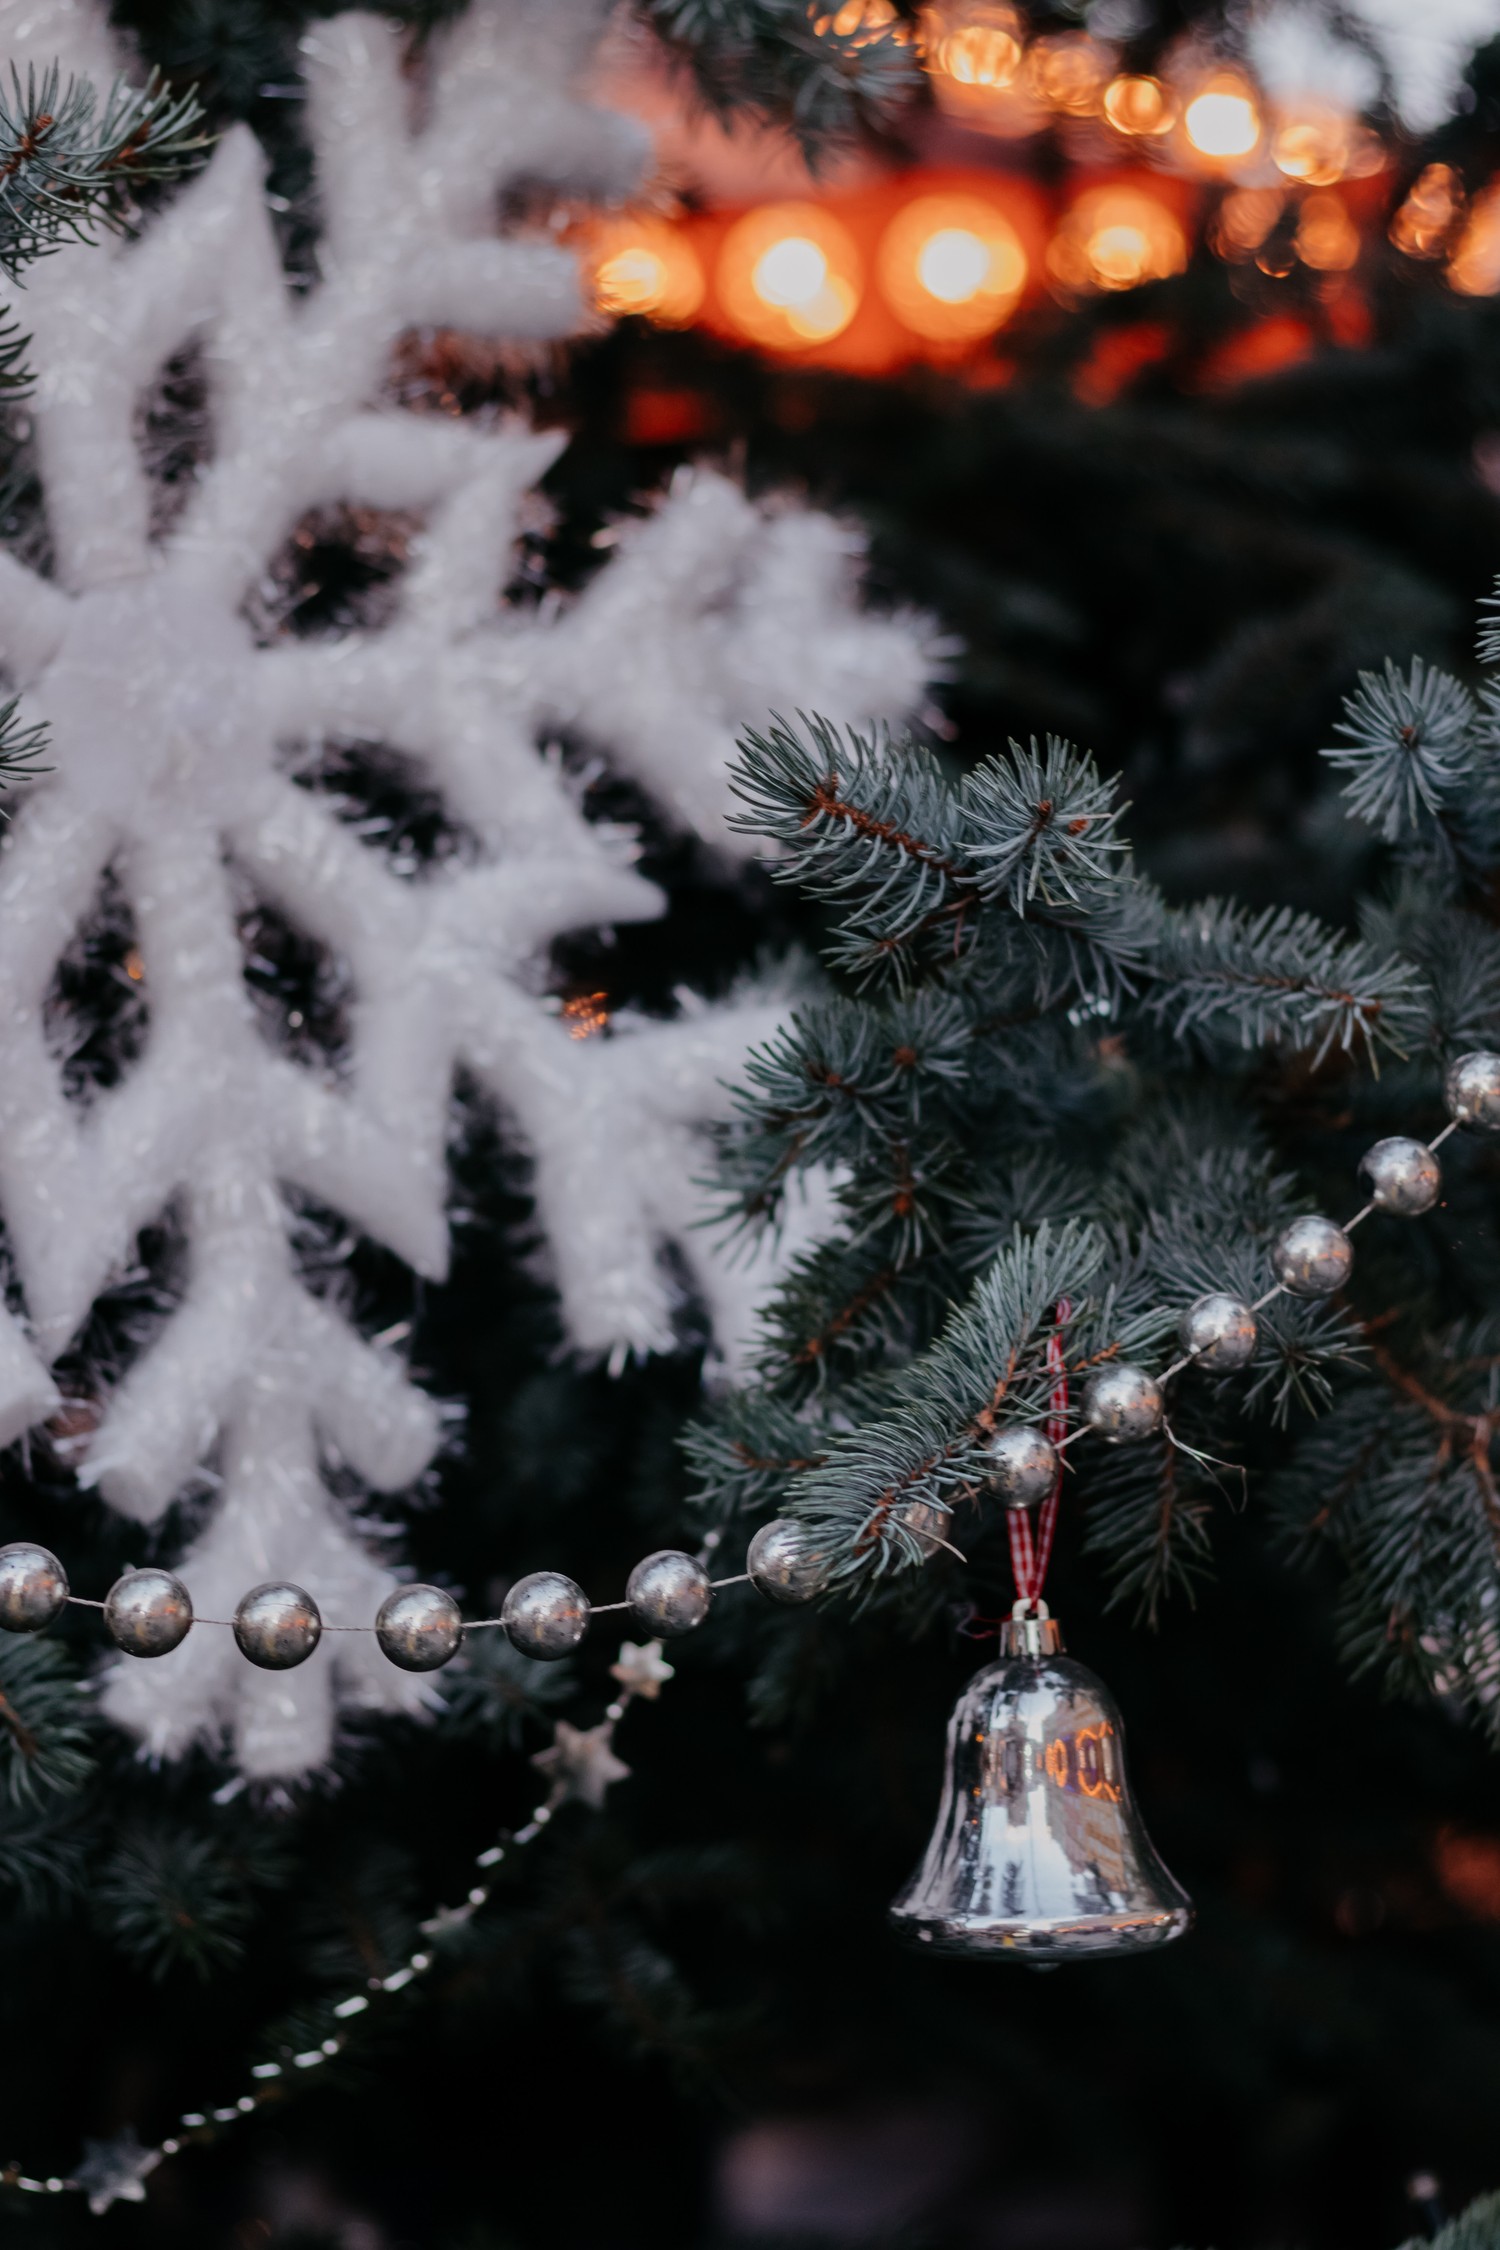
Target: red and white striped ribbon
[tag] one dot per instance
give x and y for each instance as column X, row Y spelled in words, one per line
column 1031, row 1550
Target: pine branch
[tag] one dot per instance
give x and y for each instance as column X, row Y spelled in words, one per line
column 1283, row 978
column 46, row 1728
column 787, row 63
column 172, row 1898
column 67, row 168
column 1410, row 744
column 924, row 1446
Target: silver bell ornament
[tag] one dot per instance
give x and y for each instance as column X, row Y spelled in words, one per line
column 1219, row 1331
column 33, row 1587
column 669, row 1593
column 1404, row 1177
column 545, row 1615
column 277, row 1625
column 1472, row 1092
column 783, row 1564
column 1022, row 1464
column 1039, row 1854
column 1312, row 1257
column 419, row 1627
column 148, row 1612
column 1122, row 1403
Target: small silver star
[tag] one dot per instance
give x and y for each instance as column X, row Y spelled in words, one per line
column 115, row 2171
column 641, row 1671
column 581, row 1763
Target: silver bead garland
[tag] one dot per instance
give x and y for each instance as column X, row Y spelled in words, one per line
column 546, row 1614
column 149, row 1612
column 1022, row 1464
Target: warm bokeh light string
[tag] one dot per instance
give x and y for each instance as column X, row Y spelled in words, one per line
column 933, row 263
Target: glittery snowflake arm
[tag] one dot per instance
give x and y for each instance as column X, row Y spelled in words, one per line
column 191, row 776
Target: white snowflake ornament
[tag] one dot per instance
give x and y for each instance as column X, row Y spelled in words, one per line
column 186, row 761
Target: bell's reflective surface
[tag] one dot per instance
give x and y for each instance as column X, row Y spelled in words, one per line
column 1039, row 1854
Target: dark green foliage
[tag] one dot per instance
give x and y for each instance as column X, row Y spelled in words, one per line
column 45, row 1724
column 1008, row 903
column 787, row 63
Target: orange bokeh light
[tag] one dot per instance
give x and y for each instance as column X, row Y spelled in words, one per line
column 789, row 276
column 1244, row 220
column 646, row 265
column 1139, row 106
column 1421, row 227
column 1115, row 238
column 1222, row 121
column 1474, row 268
column 1327, row 238
column 1314, row 146
column 975, row 46
column 1068, row 72
column 862, row 20
column 952, row 267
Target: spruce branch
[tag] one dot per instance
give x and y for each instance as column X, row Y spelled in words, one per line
column 172, row 1898
column 788, row 63
column 873, row 827
column 46, row 1728
column 1148, row 1522
column 67, row 167
column 1281, row 977
column 1410, row 742
column 21, row 746
column 924, row 1443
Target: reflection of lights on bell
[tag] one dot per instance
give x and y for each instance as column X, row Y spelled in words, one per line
column 1244, row 220
column 1474, row 268
column 1039, row 1853
column 1116, row 238
column 1222, row 121
column 1313, row 146
column 1327, row 238
column 645, row 266
column 789, row 275
column 1139, row 105
column 951, row 266
column 1421, row 227
column 1068, row 72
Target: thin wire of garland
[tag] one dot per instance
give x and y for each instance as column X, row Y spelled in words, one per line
column 199, row 2127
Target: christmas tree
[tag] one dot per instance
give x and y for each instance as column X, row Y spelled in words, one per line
column 1033, row 1067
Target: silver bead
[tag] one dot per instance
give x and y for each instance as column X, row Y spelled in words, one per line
column 1312, row 1257
column 148, row 1612
column 1404, row 1176
column 1219, row 1331
column 418, row 1627
column 783, row 1564
column 1122, row 1403
column 33, row 1587
column 1472, row 1092
column 545, row 1615
column 1022, row 1464
column 928, row 1519
column 277, row 1625
column 668, row 1593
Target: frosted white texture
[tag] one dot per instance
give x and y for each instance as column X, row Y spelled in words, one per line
column 174, row 742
